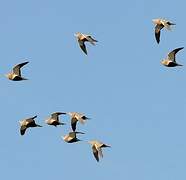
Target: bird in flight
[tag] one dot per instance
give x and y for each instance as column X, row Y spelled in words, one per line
column 96, row 148
column 71, row 137
column 75, row 117
column 160, row 24
column 15, row 75
column 54, row 119
column 82, row 38
column 170, row 61
column 27, row 123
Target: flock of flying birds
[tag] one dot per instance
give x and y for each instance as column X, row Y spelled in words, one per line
column 71, row 137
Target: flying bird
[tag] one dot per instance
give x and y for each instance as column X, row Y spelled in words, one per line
column 170, row 61
column 75, row 117
column 82, row 38
column 96, row 148
column 54, row 119
column 71, row 137
column 15, row 75
column 160, row 24
column 27, row 123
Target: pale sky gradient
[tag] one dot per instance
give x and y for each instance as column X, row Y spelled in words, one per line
column 135, row 104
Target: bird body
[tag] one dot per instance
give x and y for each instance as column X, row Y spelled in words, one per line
column 160, row 24
column 71, row 137
column 15, row 75
column 170, row 61
column 82, row 38
column 27, row 123
column 54, row 119
column 96, row 148
column 75, row 117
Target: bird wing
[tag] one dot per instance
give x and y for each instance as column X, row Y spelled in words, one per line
column 82, row 46
column 81, row 120
column 16, row 68
column 158, row 28
column 166, row 24
column 54, row 116
column 172, row 54
column 100, row 152
column 80, row 117
column 30, row 122
column 73, row 123
column 22, row 130
column 95, row 153
column 72, row 135
column 91, row 40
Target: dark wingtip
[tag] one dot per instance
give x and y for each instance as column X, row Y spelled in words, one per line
column 61, row 113
column 34, row 117
column 85, row 118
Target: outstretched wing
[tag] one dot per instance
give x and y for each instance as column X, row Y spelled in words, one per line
column 95, row 153
column 158, row 28
column 91, row 40
column 16, row 69
column 172, row 54
column 82, row 46
column 100, row 152
column 22, row 130
column 73, row 123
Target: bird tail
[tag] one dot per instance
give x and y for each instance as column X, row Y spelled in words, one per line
column 105, row 145
column 61, row 123
column 169, row 23
column 24, row 78
column 38, row 125
column 77, row 132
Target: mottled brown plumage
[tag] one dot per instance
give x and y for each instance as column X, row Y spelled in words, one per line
column 15, row 75
column 75, row 117
column 54, row 119
column 170, row 61
column 27, row 123
column 82, row 38
column 96, row 148
column 160, row 24
column 71, row 137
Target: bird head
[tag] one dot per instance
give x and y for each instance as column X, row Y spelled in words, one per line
column 164, row 62
column 91, row 142
column 46, row 121
column 156, row 21
column 9, row 76
column 20, row 122
column 77, row 34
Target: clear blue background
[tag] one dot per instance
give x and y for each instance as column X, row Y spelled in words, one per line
column 137, row 105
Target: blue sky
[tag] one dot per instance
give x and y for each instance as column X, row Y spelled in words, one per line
column 136, row 105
